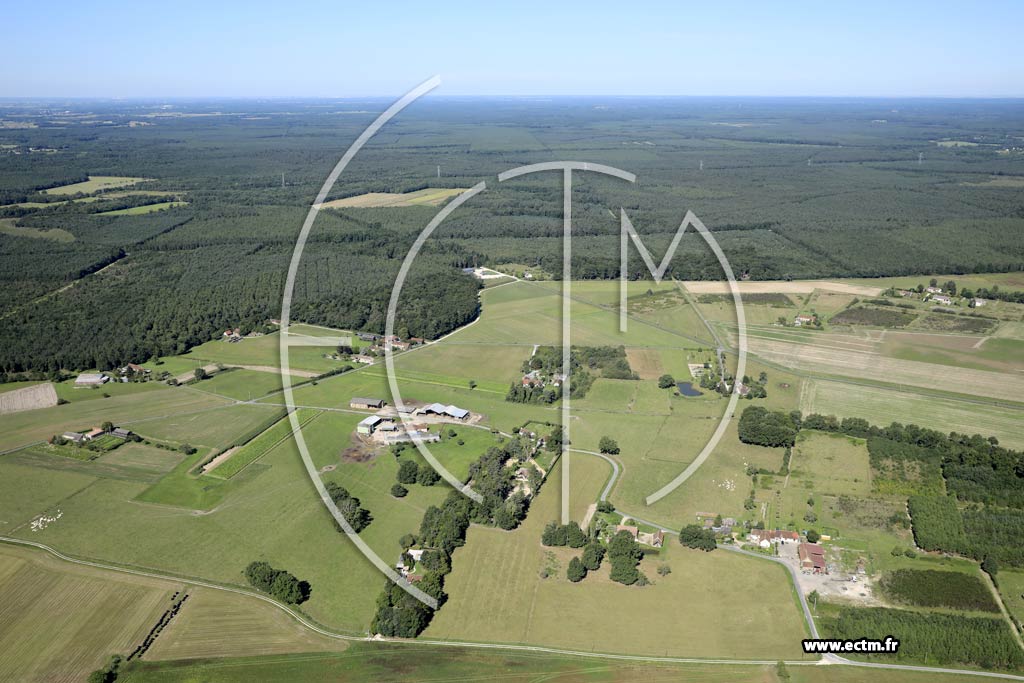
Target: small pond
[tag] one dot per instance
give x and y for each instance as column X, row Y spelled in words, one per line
column 686, row 389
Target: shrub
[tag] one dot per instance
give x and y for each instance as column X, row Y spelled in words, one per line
column 399, row 491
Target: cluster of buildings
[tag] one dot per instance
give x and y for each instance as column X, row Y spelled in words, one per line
column 939, row 296
column 386, row 427
column 81, row 438
column 380, row 344
column 232, row 335
column 655, row 539
column 535, row 378
column 801, row 320
column 96, row 379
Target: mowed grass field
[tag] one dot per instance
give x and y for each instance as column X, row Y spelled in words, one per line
column 95, row 183
column 197, row 526
column 702, row 609
column 59, row 621
column 884, row 406
column 262, row 351
column 130, row 409
column 431, row 196
column 215, row 623
column 832, row 463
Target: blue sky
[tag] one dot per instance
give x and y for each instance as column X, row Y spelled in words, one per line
column 344, row 49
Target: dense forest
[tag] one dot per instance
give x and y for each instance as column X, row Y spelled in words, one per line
column 931, row 638
column 794, row 189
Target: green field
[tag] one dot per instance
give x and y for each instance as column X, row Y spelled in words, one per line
column 259, row 446
column 241, row 385
column 884, row 406
column 132, row 409
column 8, row 227
column 497, row 595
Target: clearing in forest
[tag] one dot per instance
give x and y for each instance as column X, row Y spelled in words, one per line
column 431, row 196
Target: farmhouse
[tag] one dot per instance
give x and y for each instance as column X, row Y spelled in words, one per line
column 942, row 299
column 633, row 531
column 444, row 411
column 812, row 558
column 773, row 536
column 801, row 320
column 976, row 303
column 362, row 358
column 93, row 433
column 368, row 425
column 655, row 540
column 91, row 379
column 360, row 403
column 933, row 290
column 133, row 369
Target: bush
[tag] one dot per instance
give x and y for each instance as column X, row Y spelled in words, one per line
column 399, row 491
column 813, row 536
column 426, row 476
column 698, row 538
column 666, row 382
column 576, row 572
column 608, row 445
column 407, row 472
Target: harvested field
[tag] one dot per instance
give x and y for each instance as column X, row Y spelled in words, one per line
column 871, row 366
column 217, row 624
column 781, row 286
column 645, row 362
column 59, row 621
column 29, row 398
column 373, row 200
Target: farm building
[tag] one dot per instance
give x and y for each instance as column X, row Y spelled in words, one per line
column 74, row 437
column 812, row 558
column 942, row 299
column 933, row 290
column 360, row 403
column 91, row 379
column 122, row 433
column 368, row 425
column 773, row 536
column 442, row 410
column 366, row 336
column 93, row 433
column 362, row 358
column 976, row 303
column 801, row 320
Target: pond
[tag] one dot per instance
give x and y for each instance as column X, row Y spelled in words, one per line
column 686, row 389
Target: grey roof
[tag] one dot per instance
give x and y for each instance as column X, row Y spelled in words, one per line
column 367, row 401
column 370, row 421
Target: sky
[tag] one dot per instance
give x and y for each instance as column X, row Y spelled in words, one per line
column 257, row 48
